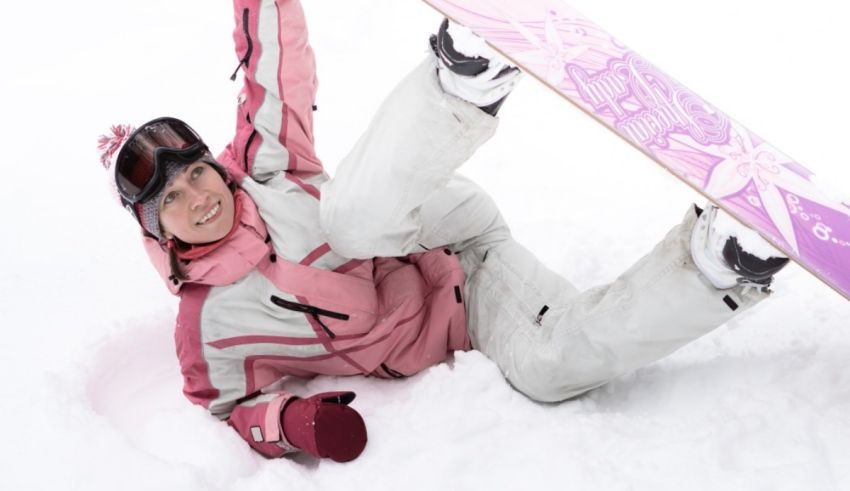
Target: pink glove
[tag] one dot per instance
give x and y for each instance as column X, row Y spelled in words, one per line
column 325, row 426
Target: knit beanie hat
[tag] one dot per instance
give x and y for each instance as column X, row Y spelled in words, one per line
column 148, row 210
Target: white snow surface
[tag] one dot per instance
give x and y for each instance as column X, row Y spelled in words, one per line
column 92, row 392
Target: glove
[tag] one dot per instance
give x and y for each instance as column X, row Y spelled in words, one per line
column 470, row 69
column 325, row 426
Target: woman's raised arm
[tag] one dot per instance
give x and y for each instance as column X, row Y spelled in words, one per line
column 274, row 127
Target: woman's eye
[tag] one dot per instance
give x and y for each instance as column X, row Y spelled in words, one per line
column 170, row 197
column 197, row 171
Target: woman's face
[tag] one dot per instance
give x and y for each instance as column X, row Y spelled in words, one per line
column 196, row 206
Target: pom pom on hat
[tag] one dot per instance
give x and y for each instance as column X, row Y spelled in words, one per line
column 110, row 145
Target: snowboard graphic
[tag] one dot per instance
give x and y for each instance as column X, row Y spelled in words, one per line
column 727, row 163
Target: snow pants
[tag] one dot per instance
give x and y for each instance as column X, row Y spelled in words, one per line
column 397, row 193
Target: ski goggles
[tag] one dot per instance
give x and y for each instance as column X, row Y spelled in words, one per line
column 140, row 166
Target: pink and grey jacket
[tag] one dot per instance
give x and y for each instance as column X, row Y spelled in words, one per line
column 274, row 300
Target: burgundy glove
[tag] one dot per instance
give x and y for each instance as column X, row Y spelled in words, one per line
column 324, row 426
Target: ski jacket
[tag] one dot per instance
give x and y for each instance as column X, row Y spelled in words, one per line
column 273, row 299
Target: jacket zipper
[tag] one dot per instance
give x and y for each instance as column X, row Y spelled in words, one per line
column 248, row 146
column 247, row 57
column 313, row 311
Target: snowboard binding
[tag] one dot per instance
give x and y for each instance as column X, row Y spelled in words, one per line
column 717, row 251
column 470, row 69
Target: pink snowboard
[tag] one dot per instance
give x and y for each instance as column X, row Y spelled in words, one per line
column 714, row 154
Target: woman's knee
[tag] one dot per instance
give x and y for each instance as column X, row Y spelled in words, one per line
column 343, row 229
column 355, row 230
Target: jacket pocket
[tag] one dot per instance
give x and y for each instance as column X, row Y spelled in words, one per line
column 315, row 312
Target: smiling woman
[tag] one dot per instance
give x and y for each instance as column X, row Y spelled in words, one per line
column 167, row 179
column 389, row 267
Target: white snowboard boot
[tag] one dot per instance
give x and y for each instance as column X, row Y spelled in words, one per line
column 470, row 69
column 729, row 254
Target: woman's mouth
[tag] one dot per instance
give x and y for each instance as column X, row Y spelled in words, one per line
column 212, row 214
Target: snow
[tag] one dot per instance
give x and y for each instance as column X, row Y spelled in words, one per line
column 724, row 225
column 92, row 397
column 465, row 41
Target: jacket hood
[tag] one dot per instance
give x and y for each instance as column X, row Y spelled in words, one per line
column 235, row 257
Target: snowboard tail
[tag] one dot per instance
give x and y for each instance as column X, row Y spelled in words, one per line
column 721, row 159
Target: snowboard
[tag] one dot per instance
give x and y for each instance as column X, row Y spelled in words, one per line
column 721, row 159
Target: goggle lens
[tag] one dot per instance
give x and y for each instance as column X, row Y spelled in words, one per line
column 138, row 170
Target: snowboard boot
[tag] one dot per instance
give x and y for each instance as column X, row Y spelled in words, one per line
column 729, row 254
column 470, row 69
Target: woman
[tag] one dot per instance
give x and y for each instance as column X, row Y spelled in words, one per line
column 393, row 264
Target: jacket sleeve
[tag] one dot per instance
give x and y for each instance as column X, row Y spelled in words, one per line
column 255, row 418
column 274, row 127
column 258, row 422
column 216, row 381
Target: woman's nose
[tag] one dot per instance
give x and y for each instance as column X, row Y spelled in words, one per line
column 196, row 198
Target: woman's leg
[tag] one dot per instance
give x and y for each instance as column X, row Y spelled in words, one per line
column 397, row 193
column 377, row 202
column 554, row 344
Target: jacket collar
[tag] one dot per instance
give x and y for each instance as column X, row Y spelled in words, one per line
column 223, row 262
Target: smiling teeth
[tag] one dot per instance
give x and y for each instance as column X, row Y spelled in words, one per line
column 210, row 214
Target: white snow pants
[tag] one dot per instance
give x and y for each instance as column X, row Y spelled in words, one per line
column 397, row 193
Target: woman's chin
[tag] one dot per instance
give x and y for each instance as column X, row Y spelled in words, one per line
column 206, row 234
column 209, row 236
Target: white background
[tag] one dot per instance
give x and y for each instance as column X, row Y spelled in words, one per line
column 91, row 392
